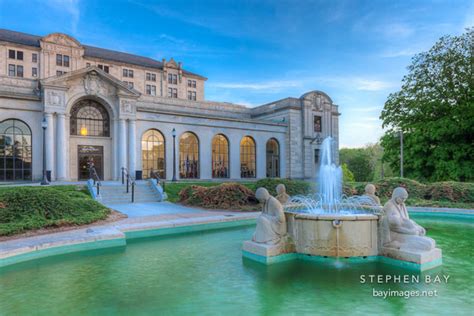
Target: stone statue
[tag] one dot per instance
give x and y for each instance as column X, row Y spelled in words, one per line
column 370, row 193
column 282, row 196
column 398, row 230
column 271, row 224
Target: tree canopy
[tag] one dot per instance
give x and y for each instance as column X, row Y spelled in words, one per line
column 435, row 111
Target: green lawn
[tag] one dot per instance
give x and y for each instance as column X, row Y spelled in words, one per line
column 34, row 207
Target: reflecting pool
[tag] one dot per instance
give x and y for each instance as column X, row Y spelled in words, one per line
column 205, row 273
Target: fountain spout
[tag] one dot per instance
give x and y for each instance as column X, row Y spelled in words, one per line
column 329, row 178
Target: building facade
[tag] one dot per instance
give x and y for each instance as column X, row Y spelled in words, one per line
column 121, row 110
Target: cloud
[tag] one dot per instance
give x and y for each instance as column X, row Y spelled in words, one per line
column 265, row 85
column 357, row 83
column 400, row 53
column 71, row 7
column 399, row 30
column 469, row 20
column 367, row 109
column 372, row 85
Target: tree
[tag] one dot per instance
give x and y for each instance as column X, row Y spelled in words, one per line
column 435, row 111
column 359, row 162
column 347, row 174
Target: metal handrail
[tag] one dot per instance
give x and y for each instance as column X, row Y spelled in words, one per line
column 154, row 175
column 126, row 176
column 95, row 177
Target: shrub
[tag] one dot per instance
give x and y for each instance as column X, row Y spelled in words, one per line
column 26, row 208
column 347, row 175
column 223, row 196
column 450, row 191
column 385, row 187
column 293, row 187
column 457, row 192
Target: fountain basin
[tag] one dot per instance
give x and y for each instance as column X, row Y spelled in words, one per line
column 334, row 235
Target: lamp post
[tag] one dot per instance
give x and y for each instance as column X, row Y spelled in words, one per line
column 174, row 155
column 401, row 153
column 44, row 125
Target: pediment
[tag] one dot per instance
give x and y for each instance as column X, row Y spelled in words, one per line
column 92, row 80
column 318, row 100
column 172, row 64
column 61, row 39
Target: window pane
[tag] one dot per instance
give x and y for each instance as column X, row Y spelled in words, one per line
column 130, row 73
column 59, row 60
column 153, row 153
column 11, row 54
column 89, row 118
column 19, row 55
column 19, row 71
column 34, row 58
column 34, row 72
column 66, row 61
column 273, row 159
column 15, row 150
column 247, row 158
column 220, row 157
column 11, row 70
column 188, row 156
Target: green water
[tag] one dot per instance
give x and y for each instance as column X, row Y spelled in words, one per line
column 204, row 273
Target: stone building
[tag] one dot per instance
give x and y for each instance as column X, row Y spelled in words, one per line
column 121, row 110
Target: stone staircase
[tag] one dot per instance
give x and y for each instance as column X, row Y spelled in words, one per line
column 115, row 192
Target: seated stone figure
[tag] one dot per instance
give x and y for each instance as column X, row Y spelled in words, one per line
column 282, row 196
column 398, row 230
column 271, row 224
column 370, row 193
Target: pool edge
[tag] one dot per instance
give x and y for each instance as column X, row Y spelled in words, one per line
column 81, row 245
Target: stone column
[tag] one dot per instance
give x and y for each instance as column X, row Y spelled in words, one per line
column 115, row 144
column 122, row 145
column 261, row 162
column 50, row 144
column 132, row 156
column 61, row 151
column 234, row 156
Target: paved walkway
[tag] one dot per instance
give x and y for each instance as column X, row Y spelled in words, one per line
column 152, row 208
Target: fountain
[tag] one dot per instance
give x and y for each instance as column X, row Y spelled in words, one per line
column 330, row 225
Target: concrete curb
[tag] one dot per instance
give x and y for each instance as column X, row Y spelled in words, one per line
column 102, row 237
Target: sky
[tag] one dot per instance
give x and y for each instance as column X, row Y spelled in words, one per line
column 255, row 52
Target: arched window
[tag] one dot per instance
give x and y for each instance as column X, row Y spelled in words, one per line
column 220, row 157
column 89, row 118
column 247, row 158
column 188, row 156
column 273, row 158
column 153, row 153
column 15, row 151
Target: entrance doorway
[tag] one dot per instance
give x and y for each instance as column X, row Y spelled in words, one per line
column 90, row 155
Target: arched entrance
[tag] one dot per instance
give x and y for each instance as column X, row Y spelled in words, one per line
column 248, row 158
column 153, row 154
column 273, row 158
column 90, row 139
column 189, row 156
